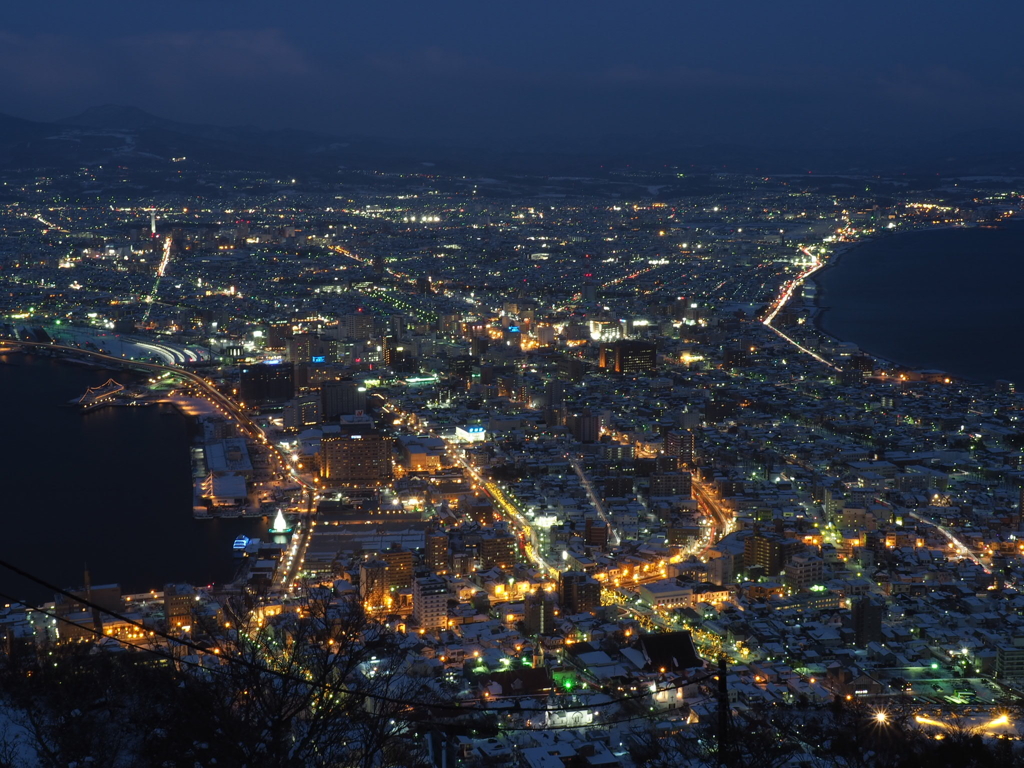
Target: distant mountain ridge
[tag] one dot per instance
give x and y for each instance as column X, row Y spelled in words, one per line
column 129, row 136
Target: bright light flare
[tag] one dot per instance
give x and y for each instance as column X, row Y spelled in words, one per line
column 1003, row 719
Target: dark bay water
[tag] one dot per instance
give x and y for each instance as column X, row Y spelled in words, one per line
column 949, row 299
column 111, row 488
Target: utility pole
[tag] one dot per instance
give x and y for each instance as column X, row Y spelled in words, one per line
column 723, row 714
column 97, row 620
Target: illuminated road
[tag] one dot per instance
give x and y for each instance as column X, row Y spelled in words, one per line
column 48, row 224
column 962, row 549
column 506, row 505
column 710, row 507
column 594, row 499
column 160, row 271
column 785, row 296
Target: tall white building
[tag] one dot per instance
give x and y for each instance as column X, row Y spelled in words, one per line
column 430, row 602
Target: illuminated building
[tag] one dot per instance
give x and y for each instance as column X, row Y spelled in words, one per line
column 629, row 357
column 179, row 604
column 769, row 552
column 430, row 602
column 355, row 460
column 540, row 609
column 498, row 550
column 473, row 433
column 399, row 568
column 680, row 443
column 578, row 592
column 358, row 325
column 373, row 584
column 302, row 412
column 310, row 348
column 803, row 572
column 436, row 554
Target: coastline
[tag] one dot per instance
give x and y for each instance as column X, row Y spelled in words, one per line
column 157, row 480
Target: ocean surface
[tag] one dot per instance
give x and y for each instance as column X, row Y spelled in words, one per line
column 947, row 299
column 111, row 489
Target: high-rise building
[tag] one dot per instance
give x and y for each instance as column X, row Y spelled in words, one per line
column 866, row 615
column 540, row 609
column 436, row 552
column 179, row 605
column 344, row 397
column 671, row 484
column 769, row 552
column 585, row 426
column 358, row 325
column 578, row 592
column 355, row 460
column 373, row 585
column 1010, row 661
column 596, row 533
column 310, row 348
column 399, row 568
column 680, row 443
column 399, row 355
column 498, row 550
column 618, row 486
column 629, row 357
column 572, row 368
column 554, row 393
column 266, row 383
column 430, row 602
column 803, row 572
column 302, row 412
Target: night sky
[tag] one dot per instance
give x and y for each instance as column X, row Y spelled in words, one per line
column 490, row 70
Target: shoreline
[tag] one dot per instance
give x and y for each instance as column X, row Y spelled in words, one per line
column 217, row 565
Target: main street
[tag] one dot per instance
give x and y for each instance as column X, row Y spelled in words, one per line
column 786, row 294
column 711, row 507
column 595, row 500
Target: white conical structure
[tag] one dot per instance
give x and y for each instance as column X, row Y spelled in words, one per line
column 280, row 523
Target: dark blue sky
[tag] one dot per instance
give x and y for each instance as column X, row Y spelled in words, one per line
column 732, row 70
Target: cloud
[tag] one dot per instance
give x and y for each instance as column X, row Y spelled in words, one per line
column 62, row 70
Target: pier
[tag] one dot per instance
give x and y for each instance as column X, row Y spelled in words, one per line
column 97, row 397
